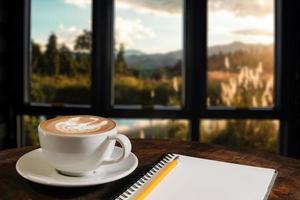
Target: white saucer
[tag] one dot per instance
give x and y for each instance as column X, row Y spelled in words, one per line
column 34, row 167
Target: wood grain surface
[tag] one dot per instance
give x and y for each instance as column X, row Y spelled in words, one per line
column 13, row 186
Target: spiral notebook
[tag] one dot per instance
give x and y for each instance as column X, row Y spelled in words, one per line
column 197, row 178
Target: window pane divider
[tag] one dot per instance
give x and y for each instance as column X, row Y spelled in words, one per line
column 101, row 34
column 195, row 51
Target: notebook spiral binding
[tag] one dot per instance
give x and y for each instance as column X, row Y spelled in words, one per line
column 145, row 177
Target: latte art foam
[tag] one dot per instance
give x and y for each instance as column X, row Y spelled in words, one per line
column 81, row 124
column 75, row 125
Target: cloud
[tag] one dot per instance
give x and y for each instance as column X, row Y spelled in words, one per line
column 243, row 8
column 253, row 32
column 68, row 35
column 240, row 8
column 79, row 3
column 158, row 7
column 129, row 32
column 175, row 7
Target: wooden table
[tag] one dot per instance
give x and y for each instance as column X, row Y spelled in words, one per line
column 13, row 186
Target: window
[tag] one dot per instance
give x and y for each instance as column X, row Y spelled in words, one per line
column 258, row 134
column 154, row 128
column 161, row 69
column 240, row 54
column 60, row 64
column 30, row 125
column 133, row 128
column 241, row 72
column 148, row 58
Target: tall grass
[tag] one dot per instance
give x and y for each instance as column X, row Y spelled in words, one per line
column 60, row 89
column 129, row 90
column 248, row 88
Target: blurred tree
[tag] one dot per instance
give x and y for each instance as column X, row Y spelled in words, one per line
column 66, row 60
column 158, row 74
column 83, row 44
column 82, row 63
column 135, row 73
column 84, row 41
column 52, row 55
column 31, row 125
column 36, row 57
column 176, row 70
column 120, row 63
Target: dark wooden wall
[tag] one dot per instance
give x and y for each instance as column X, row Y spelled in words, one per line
column 7, row 62
column 3, row 67
column 291, row 76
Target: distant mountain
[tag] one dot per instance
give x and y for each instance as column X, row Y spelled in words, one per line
column 153, row 60
column 234, row 46
column 138, row 59
column 133, row 52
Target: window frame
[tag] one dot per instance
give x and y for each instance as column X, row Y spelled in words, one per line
column 195, row 22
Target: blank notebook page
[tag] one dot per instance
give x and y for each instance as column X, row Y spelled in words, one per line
column 195, row 178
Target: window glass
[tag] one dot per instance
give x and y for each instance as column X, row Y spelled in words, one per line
column 60, row 63
column 133, row 128
column 258, row 134
column 154, row 128
column 30, row 128
column 240, row 53
column 148, row 61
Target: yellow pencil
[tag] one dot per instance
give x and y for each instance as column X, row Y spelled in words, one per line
column 163, row 173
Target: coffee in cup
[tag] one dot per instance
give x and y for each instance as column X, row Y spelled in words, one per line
column 77, row 145
column 77, row 125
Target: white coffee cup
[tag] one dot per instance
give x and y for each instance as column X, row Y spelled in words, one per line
column 80, row 154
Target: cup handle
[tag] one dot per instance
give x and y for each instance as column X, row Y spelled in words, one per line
column 126, row 148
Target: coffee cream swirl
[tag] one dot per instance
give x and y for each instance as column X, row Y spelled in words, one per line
column 80, row 125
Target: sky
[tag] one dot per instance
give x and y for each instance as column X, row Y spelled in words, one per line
column 155, row 26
